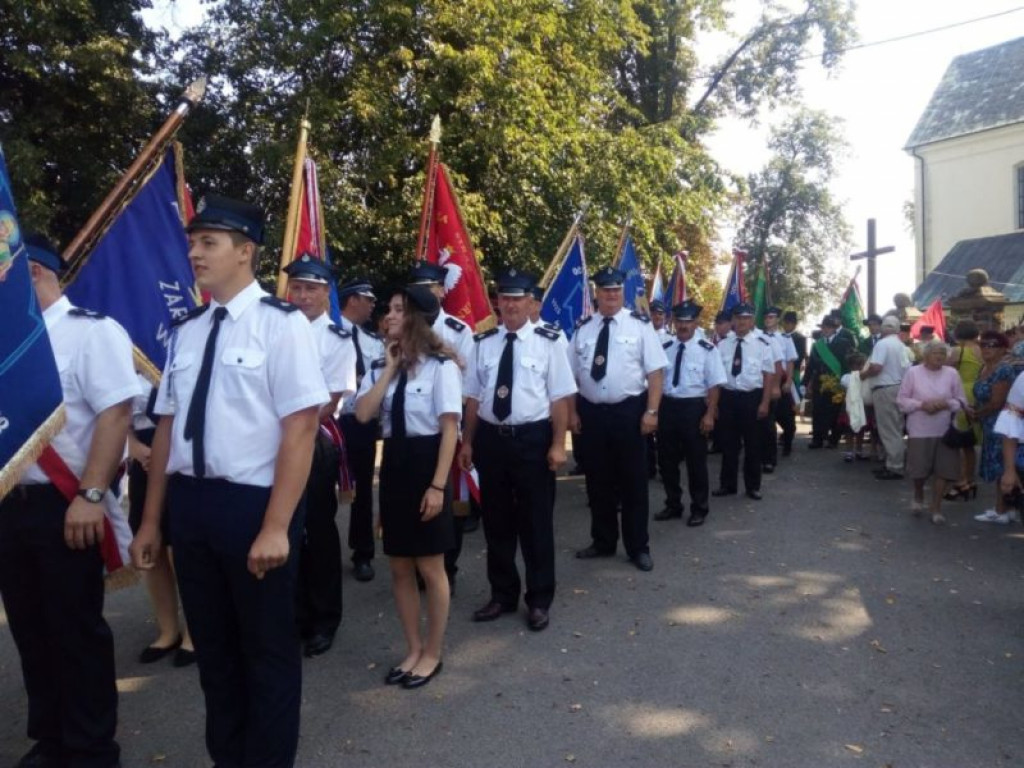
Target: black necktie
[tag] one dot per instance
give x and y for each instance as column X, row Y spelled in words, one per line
column 150, row 405
column 398, row 406
column 600, row 365
column 195, row 421
column 679, row 362
column 360, row 365
column 503, row 388
column 737, row 358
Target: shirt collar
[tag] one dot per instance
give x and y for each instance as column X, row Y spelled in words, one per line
column 53, row 313
column 242, row 300
column 524, row 329
column 321, row 320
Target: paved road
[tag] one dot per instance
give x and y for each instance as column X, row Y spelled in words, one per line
column 823, row 626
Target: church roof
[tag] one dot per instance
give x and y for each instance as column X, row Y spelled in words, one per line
column 980, row 90
column 1001, row 256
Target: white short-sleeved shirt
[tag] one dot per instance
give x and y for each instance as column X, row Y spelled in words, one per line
column 891, row 354
column 633, row 352
column 372, row 348
column 337, row 355
column 434, row 387
column 775, row 342
column 266, row 367
column 1010, row 422
column 664, row 334
column 785, row 344
column 141, row 403
column 758, row 359
column 458, row 336
column 540, row 373
column 700, row 368
column 94, row 359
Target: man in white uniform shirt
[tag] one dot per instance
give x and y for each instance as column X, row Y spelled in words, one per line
column 749, row 364
column 51, row 569
column 689, row 409
column 785, row 357
column 517, row 387
column 620, row 367
column 886, row 366
column 357, row 302
column 320, row 601
column 239, row 402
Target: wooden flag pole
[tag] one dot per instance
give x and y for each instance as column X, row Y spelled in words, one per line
column 429, row 182
column 130, row 183
column 291, row 225
column 622, row 242
column 563, row 248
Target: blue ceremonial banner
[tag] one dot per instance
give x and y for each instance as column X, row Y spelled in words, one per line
column 735, row 291
column 30, row 393
column 335, row 309
column 633, row 289
column 568, row 297
column 139, row 273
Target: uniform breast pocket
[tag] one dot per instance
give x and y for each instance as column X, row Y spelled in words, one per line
column 419, row 397
column 183, row 371
column 534, row 366
column 244, row 372
column 585, row 351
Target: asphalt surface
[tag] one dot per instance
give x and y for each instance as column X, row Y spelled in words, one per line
column 822, row 626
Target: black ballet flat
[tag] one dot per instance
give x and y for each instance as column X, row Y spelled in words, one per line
column 395, row 676
column 418, row 681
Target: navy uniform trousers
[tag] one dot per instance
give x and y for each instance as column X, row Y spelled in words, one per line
column 53, row 596
column 616, row 473
column 518, row 492
column 681, row 439
column 769, row 438
column 740, row 428
column 361, row 445
column 320, row 600
column 247, row 643
column 785, row 417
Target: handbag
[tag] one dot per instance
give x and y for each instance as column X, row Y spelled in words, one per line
column 956, row 438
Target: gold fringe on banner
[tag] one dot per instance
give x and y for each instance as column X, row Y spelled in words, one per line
column 122, row 578
column 29, row 452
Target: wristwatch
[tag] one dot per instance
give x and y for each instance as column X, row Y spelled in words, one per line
column 92, row 495
column 651, row 411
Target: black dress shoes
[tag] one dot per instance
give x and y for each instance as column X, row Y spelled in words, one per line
column 537, row 619
column 395, row 676
column 418, row 681
column 643, row 562
column 152, row 653
column 588, row 553
column 668, row 514
column 319, row 643
column 42, row 756
column 814, row 446
column 184, row 658
column 768, row 469
column 696, row 520
column 362, row 570
column 755, row 495
column 493, row 610
column 723, row 492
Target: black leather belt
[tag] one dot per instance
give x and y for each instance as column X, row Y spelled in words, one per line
column 516, row 430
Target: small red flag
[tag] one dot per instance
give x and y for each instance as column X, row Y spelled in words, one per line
column 934, row 317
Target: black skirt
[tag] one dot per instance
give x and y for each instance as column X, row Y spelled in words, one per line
column 406, row 471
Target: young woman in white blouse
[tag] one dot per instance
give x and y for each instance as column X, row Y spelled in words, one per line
column 416, row 390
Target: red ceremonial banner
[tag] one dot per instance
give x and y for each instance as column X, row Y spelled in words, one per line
column 448, row 244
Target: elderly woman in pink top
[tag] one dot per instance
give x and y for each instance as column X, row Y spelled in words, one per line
column 929, row 395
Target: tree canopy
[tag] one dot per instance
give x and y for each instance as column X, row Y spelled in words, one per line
column 790, row 217
column 545, row 104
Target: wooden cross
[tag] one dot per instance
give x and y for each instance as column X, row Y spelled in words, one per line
column 870, row 255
